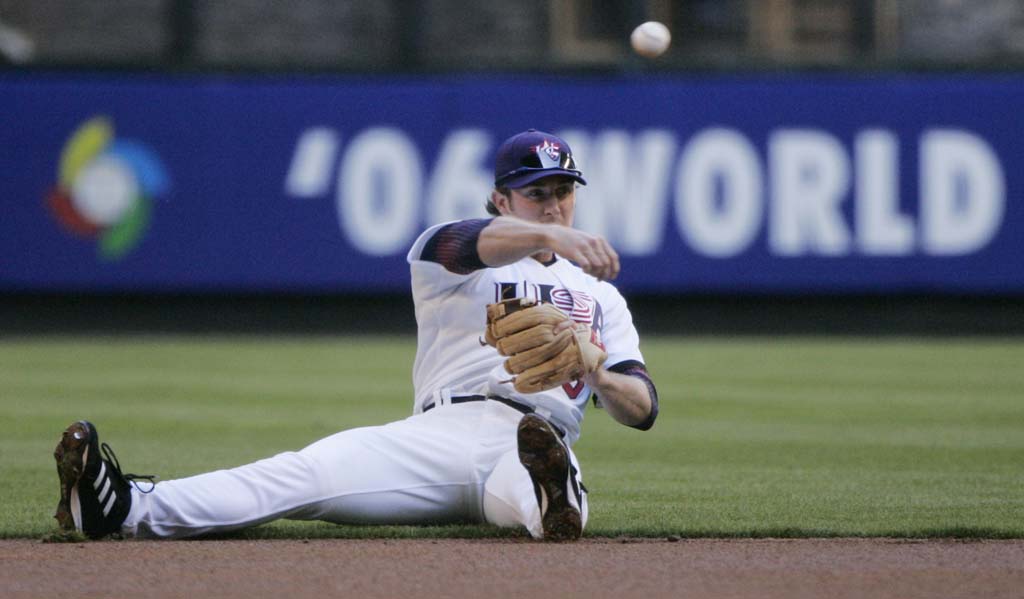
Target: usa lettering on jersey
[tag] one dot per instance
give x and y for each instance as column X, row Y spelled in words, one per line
column 578, row 305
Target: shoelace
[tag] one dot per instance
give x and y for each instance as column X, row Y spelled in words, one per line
column 111, row 458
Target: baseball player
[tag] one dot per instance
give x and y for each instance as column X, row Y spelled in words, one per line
column 497, row 407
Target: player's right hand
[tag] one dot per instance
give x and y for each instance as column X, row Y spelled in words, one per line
column 592, row 253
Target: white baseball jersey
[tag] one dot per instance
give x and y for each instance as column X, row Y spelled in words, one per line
column 452, row 360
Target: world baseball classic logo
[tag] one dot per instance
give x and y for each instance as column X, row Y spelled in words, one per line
column 106, row 188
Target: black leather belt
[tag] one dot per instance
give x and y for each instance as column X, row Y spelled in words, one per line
column 515, row 405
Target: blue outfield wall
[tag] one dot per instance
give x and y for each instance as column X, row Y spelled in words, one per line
column 781, row 184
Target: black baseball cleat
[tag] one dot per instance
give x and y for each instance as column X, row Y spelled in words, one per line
column 94, row 495
column 546, row 457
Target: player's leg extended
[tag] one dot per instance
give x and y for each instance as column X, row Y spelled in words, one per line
column 415, row 471
column 409, row 471
column 538, row 485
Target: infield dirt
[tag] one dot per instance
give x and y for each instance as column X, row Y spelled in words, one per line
column 722, row 569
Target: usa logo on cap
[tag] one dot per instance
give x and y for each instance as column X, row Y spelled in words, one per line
column 552, row 150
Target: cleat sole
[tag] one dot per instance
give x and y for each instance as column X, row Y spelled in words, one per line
column 547, row 461
column 70, row 455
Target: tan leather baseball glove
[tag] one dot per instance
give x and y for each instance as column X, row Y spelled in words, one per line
column 545, row 348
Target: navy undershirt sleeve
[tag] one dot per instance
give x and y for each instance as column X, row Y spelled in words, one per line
column 454, row 246
column 638, row 370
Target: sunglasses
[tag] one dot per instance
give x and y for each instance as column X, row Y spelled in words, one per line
column 539, row 161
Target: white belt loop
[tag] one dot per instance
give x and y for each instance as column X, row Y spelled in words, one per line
column 444, row 397
column 436, row 399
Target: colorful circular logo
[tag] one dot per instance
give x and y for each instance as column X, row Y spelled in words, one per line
column 105, row 188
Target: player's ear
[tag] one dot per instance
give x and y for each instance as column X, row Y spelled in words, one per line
column 502, row 200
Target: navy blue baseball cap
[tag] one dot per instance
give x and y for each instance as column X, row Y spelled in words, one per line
column 531, row 155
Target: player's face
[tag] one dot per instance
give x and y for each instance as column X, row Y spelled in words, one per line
column 549, row 200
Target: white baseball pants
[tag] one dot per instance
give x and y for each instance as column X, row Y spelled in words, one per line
column 455, row 463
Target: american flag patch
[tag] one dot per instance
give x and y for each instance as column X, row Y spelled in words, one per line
column 578, row 305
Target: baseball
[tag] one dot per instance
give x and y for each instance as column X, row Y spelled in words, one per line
column 650, row 39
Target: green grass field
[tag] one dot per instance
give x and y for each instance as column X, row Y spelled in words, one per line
column 757, row 436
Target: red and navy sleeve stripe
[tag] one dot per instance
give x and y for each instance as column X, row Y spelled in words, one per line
column 454, row 246
column 638, row 370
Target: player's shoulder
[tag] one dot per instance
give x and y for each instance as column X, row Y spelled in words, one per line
column 417, row 246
